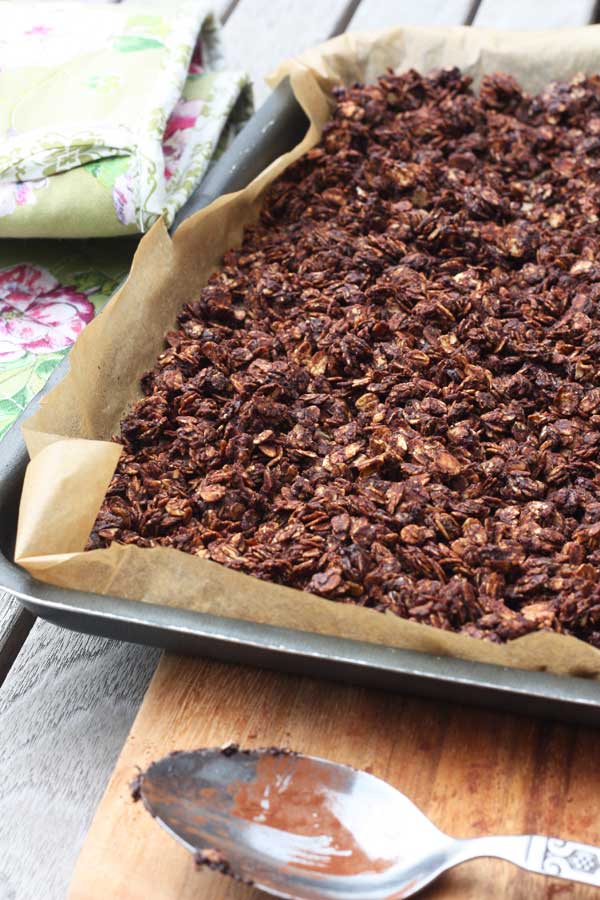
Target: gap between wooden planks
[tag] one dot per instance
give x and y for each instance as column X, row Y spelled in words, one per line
column 474, row 772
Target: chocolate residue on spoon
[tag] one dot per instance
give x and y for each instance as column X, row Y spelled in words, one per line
column 135, row 786
column 227, row 750
column 232, row 749
column 210, row 858
column 264, row 795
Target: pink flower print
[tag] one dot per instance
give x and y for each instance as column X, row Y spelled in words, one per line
column 172, row 151
column 123, row 201
column 10, row 351
column 23, row 192
column 19, row 193
column 182, row 118
column 37, row 314
column 26, row 280
column 39, row 30
column 184, row 115
column 196, row 66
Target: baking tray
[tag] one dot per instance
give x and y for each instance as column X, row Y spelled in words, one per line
column 274, row 129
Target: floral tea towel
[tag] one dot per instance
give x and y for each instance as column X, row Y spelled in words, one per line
column 45, row 304
column 109, row 114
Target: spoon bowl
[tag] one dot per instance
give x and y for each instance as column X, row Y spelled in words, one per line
column 307, row 829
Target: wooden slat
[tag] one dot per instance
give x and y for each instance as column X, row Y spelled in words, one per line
column 65, row 709
column 473, row 772
column 387, row 13
column 261, row 33
column 15, row 623
column 534, row 13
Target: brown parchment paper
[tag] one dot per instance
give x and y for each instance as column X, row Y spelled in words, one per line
column 72, row 459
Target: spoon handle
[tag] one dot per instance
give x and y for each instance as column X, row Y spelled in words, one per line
column 537, row 853
column 564, row 859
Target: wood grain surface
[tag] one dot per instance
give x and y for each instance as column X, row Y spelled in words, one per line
column 65, row 709
column 15, row 624
column 472, row 772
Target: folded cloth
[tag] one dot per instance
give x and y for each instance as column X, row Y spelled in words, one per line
column 109, row 114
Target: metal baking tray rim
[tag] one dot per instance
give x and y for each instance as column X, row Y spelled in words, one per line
column 292, row 642
column 275, row 128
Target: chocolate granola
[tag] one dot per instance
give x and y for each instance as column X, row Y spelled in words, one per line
column 390, row 394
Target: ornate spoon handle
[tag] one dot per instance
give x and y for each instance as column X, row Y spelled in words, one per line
column 537, row 853
column 564, row 859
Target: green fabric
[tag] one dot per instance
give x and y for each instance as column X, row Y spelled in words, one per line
column 109, row 114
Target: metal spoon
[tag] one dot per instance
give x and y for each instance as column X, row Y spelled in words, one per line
column 307, row 829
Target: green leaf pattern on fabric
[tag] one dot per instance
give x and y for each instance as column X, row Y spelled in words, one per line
column 130, row 43
column 107, row 83
column 18, row 388
column 108, row 170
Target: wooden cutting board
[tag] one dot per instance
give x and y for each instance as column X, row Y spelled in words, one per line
column 473, row 772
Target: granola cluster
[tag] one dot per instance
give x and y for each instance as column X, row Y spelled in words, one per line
column 390, row 394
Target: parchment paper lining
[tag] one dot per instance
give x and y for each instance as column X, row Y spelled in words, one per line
column 69, row 438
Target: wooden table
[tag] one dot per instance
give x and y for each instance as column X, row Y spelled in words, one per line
column 67, row 700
